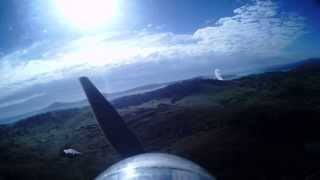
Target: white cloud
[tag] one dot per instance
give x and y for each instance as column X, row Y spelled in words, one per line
column 218, row 75
column 19, row 101
column 256, row 29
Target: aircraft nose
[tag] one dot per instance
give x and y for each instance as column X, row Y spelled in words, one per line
column 155, row 166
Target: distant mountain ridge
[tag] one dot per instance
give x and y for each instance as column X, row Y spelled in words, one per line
column 177, row 89
column 78, row 104
column 291, row 66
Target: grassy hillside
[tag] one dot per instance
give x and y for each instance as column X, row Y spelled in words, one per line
column 258, row 127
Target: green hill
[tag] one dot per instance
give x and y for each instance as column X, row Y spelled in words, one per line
column 258, row 127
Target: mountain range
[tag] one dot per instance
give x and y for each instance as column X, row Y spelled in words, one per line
column 5, row 119
column 18, row 115
column 262, row 126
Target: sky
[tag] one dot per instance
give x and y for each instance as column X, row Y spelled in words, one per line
column 46, row 45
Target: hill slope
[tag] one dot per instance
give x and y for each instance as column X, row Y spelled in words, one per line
column 258, row 127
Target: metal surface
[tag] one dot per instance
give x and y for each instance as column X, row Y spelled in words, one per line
column 155, row 166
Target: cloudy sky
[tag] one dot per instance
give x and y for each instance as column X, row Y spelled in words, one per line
column 144, row 41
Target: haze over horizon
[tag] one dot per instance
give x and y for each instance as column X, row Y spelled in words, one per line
column 43, row 50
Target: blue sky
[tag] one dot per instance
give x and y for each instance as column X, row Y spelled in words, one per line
column 24, row 22
column 147, row 41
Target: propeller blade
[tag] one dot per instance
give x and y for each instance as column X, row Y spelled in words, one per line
column 111, row 123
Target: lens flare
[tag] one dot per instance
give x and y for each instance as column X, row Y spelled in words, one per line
column 87, row 14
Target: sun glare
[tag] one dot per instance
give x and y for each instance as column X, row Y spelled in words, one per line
column 87, row 14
